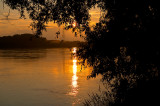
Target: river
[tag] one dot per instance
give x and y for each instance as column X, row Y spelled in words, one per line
column 44, row 77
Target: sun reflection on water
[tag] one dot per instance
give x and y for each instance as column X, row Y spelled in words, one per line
column 74, row 77
column 74, row 90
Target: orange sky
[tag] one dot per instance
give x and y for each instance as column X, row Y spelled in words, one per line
column 20, row 26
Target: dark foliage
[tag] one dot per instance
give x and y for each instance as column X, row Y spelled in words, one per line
column 123, row 46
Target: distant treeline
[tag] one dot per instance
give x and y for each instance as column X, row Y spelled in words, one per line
column 31, row 41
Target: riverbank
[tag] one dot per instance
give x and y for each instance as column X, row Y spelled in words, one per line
column 31, row 41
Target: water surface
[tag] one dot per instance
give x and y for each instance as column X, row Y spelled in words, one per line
column 43, row 77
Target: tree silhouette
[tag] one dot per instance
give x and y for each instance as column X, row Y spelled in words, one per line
column 122, row 16
column 122, row 46
column 57, row 11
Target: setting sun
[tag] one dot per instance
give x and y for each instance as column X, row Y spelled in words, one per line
column 74, row 24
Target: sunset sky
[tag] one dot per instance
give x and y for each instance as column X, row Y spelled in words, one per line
column 15, row 25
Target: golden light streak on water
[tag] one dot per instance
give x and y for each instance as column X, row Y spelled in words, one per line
column 74, row 77
column 74, row 89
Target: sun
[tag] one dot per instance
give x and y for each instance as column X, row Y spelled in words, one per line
column 74, row 24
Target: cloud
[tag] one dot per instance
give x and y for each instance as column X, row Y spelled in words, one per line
column 23, row 25
column 2, row 22
column 8, row 19
column 94, row 13
column 50, row 26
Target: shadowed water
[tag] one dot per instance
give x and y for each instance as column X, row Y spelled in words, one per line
column 43, row 77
